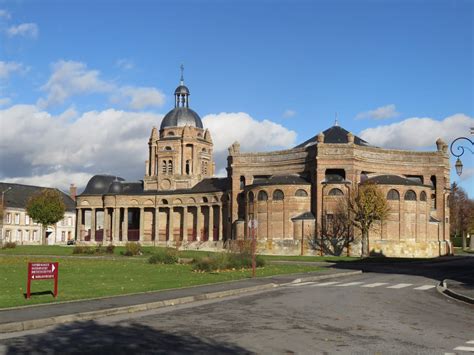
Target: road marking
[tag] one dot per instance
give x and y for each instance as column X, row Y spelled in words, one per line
column 302, row 284
column 327, row 283
column 399, row 286
column 377, row 284
column 424, row 287
column 465, row 348
column 470, row 342
column 350, row 284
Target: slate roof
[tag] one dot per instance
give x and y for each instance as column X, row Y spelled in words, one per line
column 18, row 195
column 335, row 134
column 304, row 216
column 394, row 180
column 279, row 180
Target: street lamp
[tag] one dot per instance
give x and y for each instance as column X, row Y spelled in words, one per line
column 461, row 150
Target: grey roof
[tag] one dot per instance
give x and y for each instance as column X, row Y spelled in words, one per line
column 18, row 195
column 280, row 180
column 304, row 216
column 180, row 117
column 100, row 184
column 182, row 89
column 335, row 134
column 394, row 180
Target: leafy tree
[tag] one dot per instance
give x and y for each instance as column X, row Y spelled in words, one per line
column 47, row 208
column 368, row 205
column 461, row 213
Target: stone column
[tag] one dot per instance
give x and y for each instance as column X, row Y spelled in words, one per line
column 211, row 223
column 116, row 222
column 141, row 234
column 152, row 160
column 157, row 225
column 171, row 225
column 79, row 225
column 125, row 225
column 198, row 222
column 221, row 223
column 185, row 223
column 106, row 226
column 93, row 224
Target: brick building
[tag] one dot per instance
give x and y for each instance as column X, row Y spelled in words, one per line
column 290, row 193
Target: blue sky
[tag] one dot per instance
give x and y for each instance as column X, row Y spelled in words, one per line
column 397, row 72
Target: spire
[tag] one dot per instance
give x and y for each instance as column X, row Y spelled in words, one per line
column 336, row 123
column 181, row 93
column 181, row 82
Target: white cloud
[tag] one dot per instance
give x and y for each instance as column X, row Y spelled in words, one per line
column 125, row 64
column 4, row 14
column 70, row 78
column 418, row 132
column 25, row 29
column 142, row 97
column 7, row 68
column 380, row 113
column 289, row 113
column 38, row 147
column 253, row 135
column 4, row 101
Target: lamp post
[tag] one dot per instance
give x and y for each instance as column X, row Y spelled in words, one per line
column 3, row 209
column 461, row 149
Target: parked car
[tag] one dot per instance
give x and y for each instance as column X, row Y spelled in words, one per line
column 71, row 242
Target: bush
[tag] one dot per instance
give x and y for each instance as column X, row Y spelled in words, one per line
column 110, row 249
column 132, row 249
column 164, row 256
column 227, row 261
column 83, row 249
column 9, row 245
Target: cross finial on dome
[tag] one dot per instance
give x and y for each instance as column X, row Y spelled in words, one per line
column 182, row 74
column 336, row 123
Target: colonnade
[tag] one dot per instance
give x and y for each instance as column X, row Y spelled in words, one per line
column 207, row 223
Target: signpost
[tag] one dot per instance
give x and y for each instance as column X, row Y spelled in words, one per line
column 42, row 271
column 253, row 225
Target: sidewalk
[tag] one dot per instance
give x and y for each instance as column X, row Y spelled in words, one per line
column 458, row 290
column 25, row 318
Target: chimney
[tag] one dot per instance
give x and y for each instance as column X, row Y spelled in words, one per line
column 73, row 191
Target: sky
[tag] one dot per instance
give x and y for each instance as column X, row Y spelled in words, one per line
column 83, row 82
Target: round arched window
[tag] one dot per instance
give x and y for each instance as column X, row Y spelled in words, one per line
column 301, row 193
column 410, row 195
column 423, row 196
column 262, row 196
column 278, row 195
column 393, row 195
column 336, row 192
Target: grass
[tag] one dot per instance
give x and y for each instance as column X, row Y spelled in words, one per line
column 460, row 251
column 81, row 278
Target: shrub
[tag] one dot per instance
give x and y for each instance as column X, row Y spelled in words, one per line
column 110, row 249
column 132, row 249
column 164, row 256
column 83, row 249
column 227, row 261
column 9, row 245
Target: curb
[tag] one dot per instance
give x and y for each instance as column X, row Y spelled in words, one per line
column 443, row 289
column 83, row 316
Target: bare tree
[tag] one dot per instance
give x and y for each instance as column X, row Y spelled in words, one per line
column 461, row 213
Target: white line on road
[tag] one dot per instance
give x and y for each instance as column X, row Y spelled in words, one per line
column 424, row 287
column 327, row 283
column 465, row 348
column 470, row 342
column 302, row 284
column 399, row 286
column 377, row 284
column 350, row 284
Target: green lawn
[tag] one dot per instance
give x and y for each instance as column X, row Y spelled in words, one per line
column 81, row 278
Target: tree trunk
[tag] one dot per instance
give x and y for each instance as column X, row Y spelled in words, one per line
column 464, row 242
column 365, row 243
column 43, row 237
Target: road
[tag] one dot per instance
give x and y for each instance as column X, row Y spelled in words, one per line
column 376, row 312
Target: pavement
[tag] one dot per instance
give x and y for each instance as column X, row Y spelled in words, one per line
column 38, row 316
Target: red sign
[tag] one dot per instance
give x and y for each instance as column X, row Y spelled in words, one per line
column 42, row 271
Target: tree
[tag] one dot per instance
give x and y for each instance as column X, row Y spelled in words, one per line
column 461, row 212
column 368, row 205
column 47, row 208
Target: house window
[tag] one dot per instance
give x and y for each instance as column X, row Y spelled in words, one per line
column 27, row 219
column 335, row 175
column 423, row 196
column 163, row 167
column 301, row 193
column 35, row 235
column 410, row 195
column 18, row 235
column 170, row 167
column 8, row 234
column 242, row 182
column 393, row 195
column 17, row 218
column 63, row 236
column 278, row 195
column 27, row 235
column 187, row 167
column 262, row 196
column 336, row 192
column 69, row 221
column 9, row 218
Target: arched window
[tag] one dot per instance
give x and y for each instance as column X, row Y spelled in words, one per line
column 393, row 195
column 242, row 182
column 301, row 193
column 410, row 195
column 278, row 195
column 262, row 196
column 164, row 202
column 170, row 167
column 336, row 192
column 187, row 167
column 204, row 199
column 251, row 196
column 168, row 148
column 163, row 167
column 170, row 133
column 423, row 196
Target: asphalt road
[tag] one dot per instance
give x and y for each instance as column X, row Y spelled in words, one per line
column 377, row 312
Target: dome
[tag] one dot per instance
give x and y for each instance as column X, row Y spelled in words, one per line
column 180, row 117
column 116, row 187
column 182, row 89
column 100, row 184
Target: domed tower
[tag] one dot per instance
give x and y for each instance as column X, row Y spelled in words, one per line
column 180, row 154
